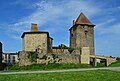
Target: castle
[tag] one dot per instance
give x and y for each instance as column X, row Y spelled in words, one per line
column 81, row 35
column 81, row 39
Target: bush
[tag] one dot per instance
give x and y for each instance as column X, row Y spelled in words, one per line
column 116, row 64
column 2, row 66
column 70, row 49
column 32, row 56
column 118, row 58
column 62, row 47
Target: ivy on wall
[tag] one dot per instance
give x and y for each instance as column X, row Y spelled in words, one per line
column 32, row 56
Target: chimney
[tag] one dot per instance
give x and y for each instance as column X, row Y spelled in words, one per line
column 34, row 27
column 73, row 22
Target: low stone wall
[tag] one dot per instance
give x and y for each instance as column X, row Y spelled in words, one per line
column 69, row 58
column 61, row 58
column 58, row 51
column 23, row 59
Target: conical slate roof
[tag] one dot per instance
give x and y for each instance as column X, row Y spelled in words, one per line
column 82, row 19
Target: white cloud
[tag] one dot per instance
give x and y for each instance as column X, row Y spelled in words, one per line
column 27, row 4
column 58, row 13
column 115, row 29
column 108, row 28
column 104, row 23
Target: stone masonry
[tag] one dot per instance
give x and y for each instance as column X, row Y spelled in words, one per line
column 81, row 39
column 82, row 34
column 38, row 41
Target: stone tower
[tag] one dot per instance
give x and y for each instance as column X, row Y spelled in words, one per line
column 82, row 34
column 36, row 40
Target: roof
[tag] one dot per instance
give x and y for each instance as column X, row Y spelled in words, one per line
column 82, row 19
column 11, row 53
column 51, row 38
column 39, row 32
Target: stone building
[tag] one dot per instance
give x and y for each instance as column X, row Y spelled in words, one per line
column 36, row 40
column 81, row 39
column 0, row 53
column 10, row 58
column 82, row 34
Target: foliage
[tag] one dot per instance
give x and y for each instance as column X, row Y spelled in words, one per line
column 70, row 49
column 118, row 58
column 32, row 56
column 62, row 47
column 97, row 75
column 2, row 66
column 116, row 64
column 54, row 56
column 18, row 54
column 44, row 57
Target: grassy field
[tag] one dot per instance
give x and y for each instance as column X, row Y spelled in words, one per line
column 98, row 75
column 47, row 67
column 115, row 64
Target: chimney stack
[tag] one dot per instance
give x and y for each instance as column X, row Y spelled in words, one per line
column 34, row 27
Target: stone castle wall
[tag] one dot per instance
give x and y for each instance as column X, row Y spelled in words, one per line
column 64, row 59
column 23, row 59
column 69, row 58
column 58, row 51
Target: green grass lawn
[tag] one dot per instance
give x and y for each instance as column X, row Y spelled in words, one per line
column 115, row 64
column 47, row 67
column 97, row 75
column 55, row 66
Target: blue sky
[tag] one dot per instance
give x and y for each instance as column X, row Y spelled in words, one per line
column 56, row 16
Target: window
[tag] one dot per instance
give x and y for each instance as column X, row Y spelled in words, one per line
column 71, row 35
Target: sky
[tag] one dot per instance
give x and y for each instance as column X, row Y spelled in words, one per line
column 56, row 16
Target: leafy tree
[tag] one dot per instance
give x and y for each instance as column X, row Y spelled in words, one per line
column 62, row 47
column 70, row 49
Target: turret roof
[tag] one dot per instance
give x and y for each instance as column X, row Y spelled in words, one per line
column 82, row 19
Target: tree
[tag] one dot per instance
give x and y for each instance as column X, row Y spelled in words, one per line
column 70, row 49
column 62, row 47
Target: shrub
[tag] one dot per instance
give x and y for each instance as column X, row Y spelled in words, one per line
column 70, row 49
column 62, row 47
column 32, row 56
